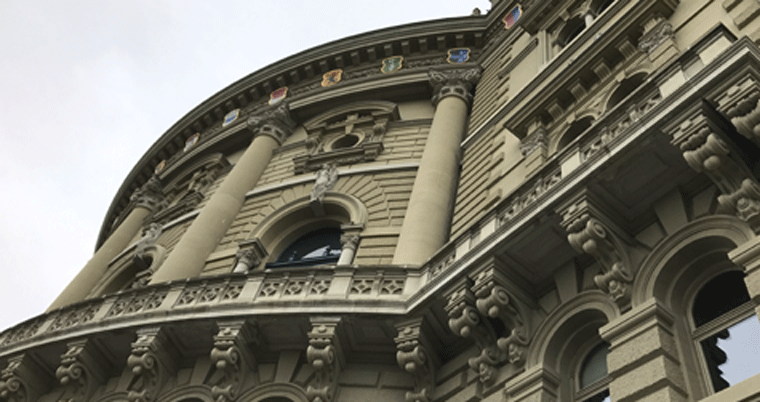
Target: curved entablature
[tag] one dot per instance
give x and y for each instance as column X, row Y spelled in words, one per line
column 359, row 57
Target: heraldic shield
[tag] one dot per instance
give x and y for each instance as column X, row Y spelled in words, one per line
column 392, row 64
column 278, row 95
column 331, row 77
column 458, row 55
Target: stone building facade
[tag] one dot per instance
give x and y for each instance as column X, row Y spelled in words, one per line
column 554, row 201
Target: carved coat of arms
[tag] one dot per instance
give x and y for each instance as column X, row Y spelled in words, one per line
column 392, row 64
column 331, row 77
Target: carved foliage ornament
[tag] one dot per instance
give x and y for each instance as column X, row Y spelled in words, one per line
column 658, row 34
column 150, row 195
column 457, row 83
column 149, row 362
column 21, row 380
column 414, row 357
column 231, row 358
column 323, row 355
column 81, row 371
column 273, row 121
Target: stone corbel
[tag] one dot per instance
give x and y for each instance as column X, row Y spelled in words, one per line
column 741, row 104
column 83, row 368
column 494, row 301
column 250, row 254
column 231, row 358
column 465, row 321
column 325, row 356
column 415, row 357
column 151, row 362
column 274, row 121
column 708, row 150
column 590, row 231
column 23, row 380
column 457, row 83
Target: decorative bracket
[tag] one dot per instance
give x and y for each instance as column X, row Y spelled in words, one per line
column 706, row 148
column 23, row 379
column 232, row 358
column 589, row 232
column 415, row 357
column 83, row 368
column 324, row 354
column 151, row 363
column 465, row 321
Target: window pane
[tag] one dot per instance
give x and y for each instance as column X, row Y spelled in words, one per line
column 594, row 368
column 719, row 296
column 735, row 356
column 603, row 396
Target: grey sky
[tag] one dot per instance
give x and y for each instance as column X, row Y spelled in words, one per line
column 87, row 87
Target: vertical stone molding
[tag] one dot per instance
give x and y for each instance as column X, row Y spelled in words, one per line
column 145, row 201
column 231, row 358
column 23, row 380
column 325, row 355
column 416, row 356
column 83, row 368
column 465, row 321
column 427, row 222
column 151, row 362
column 643, row 359
column 536, row 384
column 747, row 255
column 349, row 241
column 188, row 258
column 251, row 253
column 708, row 150
column 591, row 231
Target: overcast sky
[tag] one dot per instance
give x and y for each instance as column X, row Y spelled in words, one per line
column 87, row 87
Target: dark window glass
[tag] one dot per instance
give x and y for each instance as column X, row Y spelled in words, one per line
column 722, row 294
column 318, row 247
column 594, row 368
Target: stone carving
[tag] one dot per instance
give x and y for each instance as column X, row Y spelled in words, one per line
column 349, row 241
column 274, row 121
column 323, row 354
column 141, row 257
column 22, row 380
column 150, row 195
column 414, row 357
column 465, row 321
column 457, row 83
column 537, row 140
column 81, row 371
column 75, row 316
column 325, row 180
column 530, row 192
column 231, row 358
column 150, row 362
column 741, row 104
column 658, row 34
column 706, row 149
column 201, row 180
column 582, row 220
column 249, row 256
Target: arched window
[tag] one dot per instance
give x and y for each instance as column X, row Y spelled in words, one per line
column 570, row 31
column 727, row 330
column 321, row 246
column 575, row 129
column 625, row 88
column 592, row 376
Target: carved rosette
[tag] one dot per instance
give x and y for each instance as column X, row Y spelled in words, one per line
column 150, row 195
column 150, row 363
column 231, row 358
column 82, row 370
column 586, row 233
column 708, row 150
column 465, row 321
column 22, row 380
column 414, row 357
column 457, row 83
column 273, row 121
column 324, row 356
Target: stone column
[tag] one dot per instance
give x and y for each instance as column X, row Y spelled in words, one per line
column 428, row 215
column 349, row 240
column 145, row 201
column 189, row 255
column 643, row 361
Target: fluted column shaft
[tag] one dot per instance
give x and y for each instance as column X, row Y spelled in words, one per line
column 145, row 201
column 428, row 216
column 188, row 257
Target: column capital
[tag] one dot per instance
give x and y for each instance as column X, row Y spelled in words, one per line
column 274, row 121
column 457, row 83
column 150, row 196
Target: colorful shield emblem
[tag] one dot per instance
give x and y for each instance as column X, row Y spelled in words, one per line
column 230, row 117
column 192, row 141
column 161, row 165
column 331, row 77
column 458, row 55
column 511, row 19
column 278, row 95
column 392, row 64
